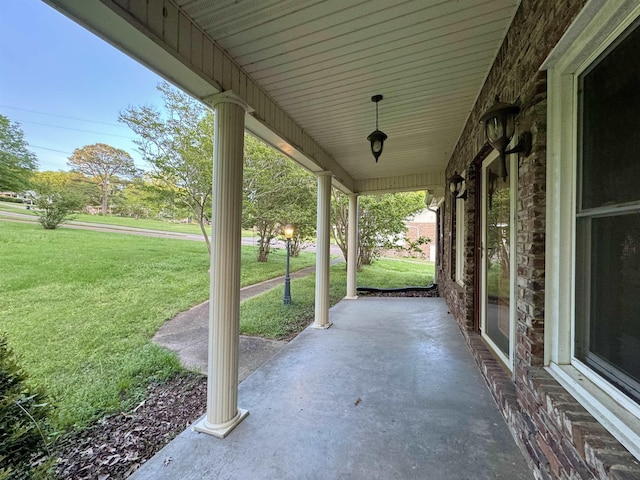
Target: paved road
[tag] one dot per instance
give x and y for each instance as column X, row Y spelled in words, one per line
column 103, row 227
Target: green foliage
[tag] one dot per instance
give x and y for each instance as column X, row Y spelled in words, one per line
column 55, row 200
column 72, row 184
column 178, row 144
column 17, row 163
column 54, row 209
column 276, row 192
column 23, row 414
column 105, row 166
column 381, row 222
column 11, row 199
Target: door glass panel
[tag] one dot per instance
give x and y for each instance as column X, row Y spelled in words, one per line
column 497, row 217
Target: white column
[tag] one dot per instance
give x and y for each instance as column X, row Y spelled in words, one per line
column 352, row 248
column 223, row 413
column 322, row 251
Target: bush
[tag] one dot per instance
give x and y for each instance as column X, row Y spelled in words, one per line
column 55, row 208
column 22, row 416
column 11, row 199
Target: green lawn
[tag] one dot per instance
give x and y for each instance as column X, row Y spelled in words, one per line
column 266, row 316
column 80, row 307
column 145, row 223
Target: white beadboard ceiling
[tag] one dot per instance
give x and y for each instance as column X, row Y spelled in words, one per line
column 321, row 61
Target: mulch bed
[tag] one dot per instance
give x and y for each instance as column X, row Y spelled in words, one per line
column 395, row 293
column 117, row 445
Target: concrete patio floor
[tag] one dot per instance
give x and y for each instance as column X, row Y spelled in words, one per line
column 389, row 391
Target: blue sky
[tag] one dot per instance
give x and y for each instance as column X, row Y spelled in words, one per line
column 51, row 68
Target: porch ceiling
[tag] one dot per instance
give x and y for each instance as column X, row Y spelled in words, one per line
column 320, row 61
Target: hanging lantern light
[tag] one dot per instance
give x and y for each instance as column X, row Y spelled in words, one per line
column 377, row 137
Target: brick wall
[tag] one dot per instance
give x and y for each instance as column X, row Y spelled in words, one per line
column 560, row 439
column 422, row 229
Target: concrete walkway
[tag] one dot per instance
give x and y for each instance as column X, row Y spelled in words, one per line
column 187, row 333
column 390, row 391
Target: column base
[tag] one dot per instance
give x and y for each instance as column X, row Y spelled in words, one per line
column 322, row 327
column 355, row 297
column 221, row 430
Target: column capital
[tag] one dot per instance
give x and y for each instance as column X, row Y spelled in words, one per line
column 323, row 173
column 227, row 96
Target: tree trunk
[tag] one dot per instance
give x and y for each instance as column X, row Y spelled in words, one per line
column 263, row 252
column 203, row 228
column 105, row 201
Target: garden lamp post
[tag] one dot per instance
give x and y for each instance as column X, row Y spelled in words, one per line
column 288, row 234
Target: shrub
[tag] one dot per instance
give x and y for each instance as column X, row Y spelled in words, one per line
column 55, row 208
column 11, row 199
column 22, row 416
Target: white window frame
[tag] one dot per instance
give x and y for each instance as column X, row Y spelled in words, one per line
column 599, row 24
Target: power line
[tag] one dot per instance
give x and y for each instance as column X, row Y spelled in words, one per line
column 50, row 149
column 75, row 129
column 64, row 116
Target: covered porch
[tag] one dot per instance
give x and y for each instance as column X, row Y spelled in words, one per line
column 370, row 398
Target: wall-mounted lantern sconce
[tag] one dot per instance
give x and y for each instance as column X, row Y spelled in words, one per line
column 499, row 123
column 456, row 182
column 376, row 137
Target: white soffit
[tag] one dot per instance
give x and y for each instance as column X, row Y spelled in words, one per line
column 321, row 61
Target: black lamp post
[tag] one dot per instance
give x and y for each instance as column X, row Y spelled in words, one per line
column 288, row 234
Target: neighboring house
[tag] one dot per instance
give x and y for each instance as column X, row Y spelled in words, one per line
column 421, row 225
column 539, row 263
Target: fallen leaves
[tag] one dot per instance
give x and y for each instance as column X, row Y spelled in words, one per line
column 116, row 446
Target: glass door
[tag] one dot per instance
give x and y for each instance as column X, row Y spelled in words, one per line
column 498, row 258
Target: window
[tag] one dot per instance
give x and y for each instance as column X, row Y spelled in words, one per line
column 608, row 216
column 460, row 234
column 458, row 231
column 592, row 309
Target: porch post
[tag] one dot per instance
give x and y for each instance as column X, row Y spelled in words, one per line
column 352, row 248
column 322, row 251
column 223, row 413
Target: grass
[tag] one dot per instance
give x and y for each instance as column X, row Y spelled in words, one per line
column 146, row 223
column 267, row 317
column 80, row 307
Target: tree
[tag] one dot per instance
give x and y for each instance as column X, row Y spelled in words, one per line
column 381, row 222
column 104, row 165
column 72, row 183
column 16, row 162
column 178, row 144
column 276, row 192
